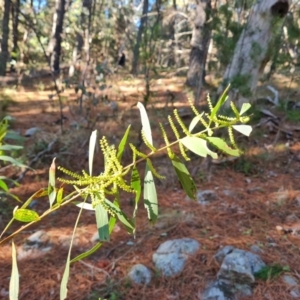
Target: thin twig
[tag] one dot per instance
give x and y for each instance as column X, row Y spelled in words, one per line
column 31, row 25
column 94, row 268
column 41, row 153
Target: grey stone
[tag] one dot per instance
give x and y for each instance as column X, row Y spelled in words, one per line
column 229, row 193
column 31, row 131
column 95, row 237
column 222, row 253
column 170, row 257
column 295, row 293
column 291, row 281
column 35, row 245
column 140, row 274
column 36, row 240
column 239, row 267
column 256, row 249
column 218, row 291
column 206, row 197
column 32, row 204
column 297, row 200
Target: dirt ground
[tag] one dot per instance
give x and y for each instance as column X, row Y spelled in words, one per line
column 263, row 185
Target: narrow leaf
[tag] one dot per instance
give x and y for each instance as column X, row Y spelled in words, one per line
column 145, row 122
column 184, row 177
column 92, row 146
column 64, row 282
column 40, row 193
column 12, row 195
column 26, row 215
column 135, row 183
column 10, row 147
column 3, row 185
column 60, row 194
column 222, row 145
column 220, row 102
column 244, row 108
column 102, row 222
column 114, row 207
column 52, row 197
column 84, row 205
column 9, row 179
column 194, row 122
column 243, row 129
column 123, row 143
column 198, row 146
column 12, row 160
column 87, row 253
column 14, row 279
column 150, row 195
column 12, row 135
column 51, row 185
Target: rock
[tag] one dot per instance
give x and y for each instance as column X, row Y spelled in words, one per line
column 248, row 180
column 140, row 274
column 114, row 106
column 236, row 274
column 65, row 241
column 256, row 249
column 297, row 200
column 35, row 245
column 229, row 193
column 170, row 257
column 218, row 291
column 292, row 218
column 31, row 131
column 239, row 267
column 74, row 125
column 206, row 197
column 95, row 237
column 222, row 253
column 295, row 293
column 32, row 204
column 291, row 281
column 37, row 240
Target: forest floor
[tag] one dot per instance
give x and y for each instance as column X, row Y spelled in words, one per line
column 264, row 193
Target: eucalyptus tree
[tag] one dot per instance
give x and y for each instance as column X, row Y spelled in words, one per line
column 54, row 47
column 252, row 50
column 142, row 25
column 199, row 46
column 4, row 54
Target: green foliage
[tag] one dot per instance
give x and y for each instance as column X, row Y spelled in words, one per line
column 101, row 192
column 5, row 158
column 271, row 272
column 245, row 166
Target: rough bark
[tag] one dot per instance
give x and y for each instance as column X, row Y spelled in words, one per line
column 253, row 48
column 4, row 54
column 54, row 48
column 82, row 37
column 200, row 41
column 15, row 32
column 136, row 50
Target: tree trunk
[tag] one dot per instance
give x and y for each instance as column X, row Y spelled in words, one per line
column 82, row 37
column 200, row 41
column 4, row 55
column 15, row 20
column 136, row 50
column 252, row 51
column 54, row 48
column 15, row 32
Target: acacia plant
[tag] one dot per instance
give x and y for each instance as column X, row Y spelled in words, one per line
column 101, row 192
